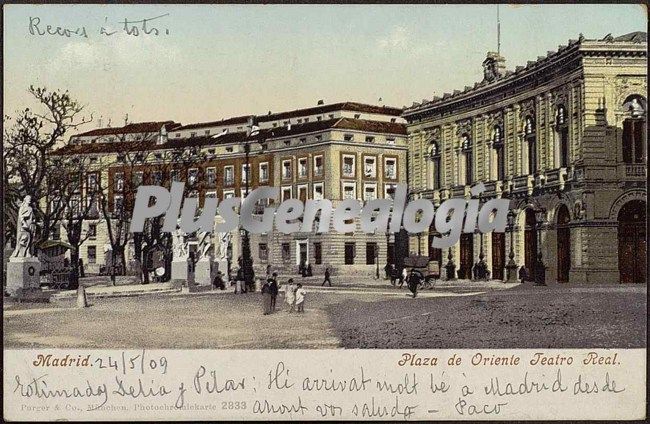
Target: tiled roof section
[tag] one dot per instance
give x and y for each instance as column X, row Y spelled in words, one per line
column 137, row 127
column 634, row 37
column 348, row 106
column 99, row 148
column 573, row 45
column 234, row 137
column 227, row 121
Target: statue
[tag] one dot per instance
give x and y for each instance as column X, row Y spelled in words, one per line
column 224, row 242
column 25, row 229
column 205, row 244
column 179, row 243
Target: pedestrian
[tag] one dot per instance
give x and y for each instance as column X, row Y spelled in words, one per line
column 388, row 270
column 290, row 294
column 403, row 277
column 394, row 275
column 273, row 285
column 413, row 282
column 300, row 298
column 266, row 298
column 268, row 271
column 82, row 271
column 327, row 277
column 218, row 282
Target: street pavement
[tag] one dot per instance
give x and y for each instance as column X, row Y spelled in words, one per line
column 471, row 315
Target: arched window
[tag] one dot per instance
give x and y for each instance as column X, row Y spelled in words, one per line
column 466, row 147
column 434, row 157
column 530, row 139
column 634, row 135
column 498, row 146
column 562, row 140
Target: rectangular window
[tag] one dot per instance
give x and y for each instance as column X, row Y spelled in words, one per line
column 119, row 181
column 370, row 167
column 349, row 253
column 370, row 139
column 389, row 191
column 210, row 193
column 318, row 191
column 348, row 137
column 92, row 231
column 245, row 173
column 192, row 175
column 92, row 254
column 229, row 175
column 263, row 252
column 318, row 166
column 319, row 138
column 390, row 141
column 286, row 169
column 303, row 140
column 349, row 190
column 118, row 204
column 138, row 178
column 286, row 193
column 228, row 194
column 286, row 252
column 348, row 166
column 302, row 168
column 371, row 253
column 211, row 176
column 302, row 193
column 369, row 192
column 264, row 171
column 318, row 253
column 390, row 168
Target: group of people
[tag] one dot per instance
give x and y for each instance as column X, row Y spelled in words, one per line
column 294, row 295
column 412, row 279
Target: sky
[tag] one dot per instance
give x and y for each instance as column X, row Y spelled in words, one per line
column 210, row 62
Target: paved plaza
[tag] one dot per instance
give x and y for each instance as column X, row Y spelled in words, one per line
column 347, row 316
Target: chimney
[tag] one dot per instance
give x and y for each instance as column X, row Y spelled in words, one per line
column 494, row 67
column 321, row 102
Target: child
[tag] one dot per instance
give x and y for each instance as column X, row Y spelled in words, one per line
column 300, row 298
column 290, row 294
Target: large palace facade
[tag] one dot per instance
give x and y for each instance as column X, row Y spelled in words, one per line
column 564, row 138
column 335, row 151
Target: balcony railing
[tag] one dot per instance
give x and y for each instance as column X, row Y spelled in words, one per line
column 635, row 170
column 523, row 183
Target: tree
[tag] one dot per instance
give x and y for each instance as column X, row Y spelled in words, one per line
column 29, row 138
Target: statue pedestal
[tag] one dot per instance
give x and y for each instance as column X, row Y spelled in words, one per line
column 23, row 275
column 179, row 270
column 203, row 272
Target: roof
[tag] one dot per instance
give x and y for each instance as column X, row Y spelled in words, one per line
column 348, row 106
column 234, row 137
column 531, row 66
column 136, row 127
column 228, row 121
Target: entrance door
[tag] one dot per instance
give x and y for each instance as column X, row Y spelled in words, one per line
column 632, row 242
column 349, row 253
column 530, row 243
column 563, row 245
column 302, row 253
column 498, row 255
column 466, row 255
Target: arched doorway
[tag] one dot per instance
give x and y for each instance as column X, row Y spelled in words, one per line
column 530, row 243
column 632, row 242
column 563, row 244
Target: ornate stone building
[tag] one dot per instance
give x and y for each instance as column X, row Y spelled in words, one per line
column 564, row 138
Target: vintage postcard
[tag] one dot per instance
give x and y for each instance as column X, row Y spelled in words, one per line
column 324, row 212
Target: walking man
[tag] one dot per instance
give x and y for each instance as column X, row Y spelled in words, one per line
column 327, row 277
column 273, row 288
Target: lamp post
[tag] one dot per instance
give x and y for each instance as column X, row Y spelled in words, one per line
column 511, row 267
column 377, row 260
column 247, row 260
column 540, row 268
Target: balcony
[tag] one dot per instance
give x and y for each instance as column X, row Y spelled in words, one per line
column 493, row 188
column 556, row 178
column 523, row 184
column 635, row 170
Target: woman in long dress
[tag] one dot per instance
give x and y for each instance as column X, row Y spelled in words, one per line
column 290, row 295
column 266, row 298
